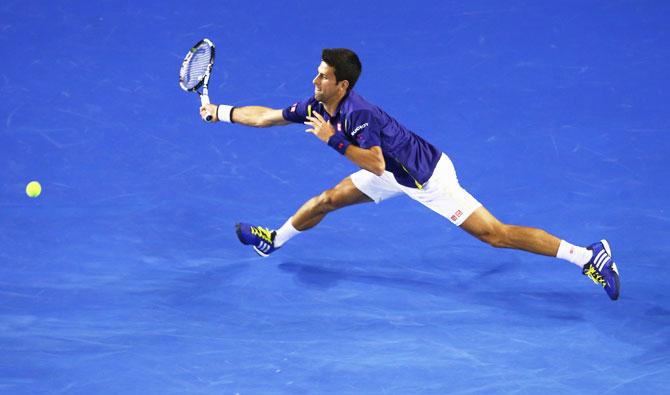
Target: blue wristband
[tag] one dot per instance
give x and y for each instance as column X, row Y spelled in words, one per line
column 339, row 142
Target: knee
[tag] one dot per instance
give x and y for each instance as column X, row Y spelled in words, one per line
column 495, row 236
column 325, row 202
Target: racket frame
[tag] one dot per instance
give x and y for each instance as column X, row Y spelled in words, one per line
column 204, row 80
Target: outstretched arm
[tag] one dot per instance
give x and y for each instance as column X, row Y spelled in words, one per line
column 256, row 116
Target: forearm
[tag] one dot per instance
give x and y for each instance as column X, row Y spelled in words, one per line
column 257, row 116
column 371, row 159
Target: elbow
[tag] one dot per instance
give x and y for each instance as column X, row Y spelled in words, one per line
column 262, row 123
column 373, row 161
column 379, row 168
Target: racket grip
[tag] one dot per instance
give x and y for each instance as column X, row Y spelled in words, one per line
column 204, row 100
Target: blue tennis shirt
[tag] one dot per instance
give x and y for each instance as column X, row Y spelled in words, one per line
column 410, row 158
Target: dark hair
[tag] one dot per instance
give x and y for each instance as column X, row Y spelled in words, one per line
column 345, row 62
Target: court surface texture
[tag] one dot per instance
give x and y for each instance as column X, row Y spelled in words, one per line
column 126, row 277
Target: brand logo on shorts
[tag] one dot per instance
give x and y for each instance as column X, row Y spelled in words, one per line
column 456, row 215
column 293, row 107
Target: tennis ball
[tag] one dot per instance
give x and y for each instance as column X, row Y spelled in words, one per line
column 33, row 189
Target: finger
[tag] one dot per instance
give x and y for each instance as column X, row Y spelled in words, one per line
column 310, row 131
column 314, row 122
column 317, row 119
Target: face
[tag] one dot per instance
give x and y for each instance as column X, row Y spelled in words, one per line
column 326, row 86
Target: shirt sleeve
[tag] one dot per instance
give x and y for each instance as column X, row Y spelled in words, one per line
column 365, row 128
column 297, row 112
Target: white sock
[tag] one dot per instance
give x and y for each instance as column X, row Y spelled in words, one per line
column 580, row 256
column 285, row 233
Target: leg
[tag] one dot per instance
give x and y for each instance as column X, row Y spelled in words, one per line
column 596, row 261
column 312, row 212
column 265, row 241
column 444, row 195
column 484, row 226
column 360, row 187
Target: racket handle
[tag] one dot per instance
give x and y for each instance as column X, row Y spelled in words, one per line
column 204, row 100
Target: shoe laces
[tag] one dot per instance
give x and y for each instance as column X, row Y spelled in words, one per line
column 593, row 274
column 263, row 233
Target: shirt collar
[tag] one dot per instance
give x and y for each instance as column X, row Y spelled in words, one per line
column 339, row 105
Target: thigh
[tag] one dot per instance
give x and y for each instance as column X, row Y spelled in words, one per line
column 345, row 194
column 444, row 195
column 454, row 203
column 377, row 188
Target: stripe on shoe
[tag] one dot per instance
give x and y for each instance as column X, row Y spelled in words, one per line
column 600, row 260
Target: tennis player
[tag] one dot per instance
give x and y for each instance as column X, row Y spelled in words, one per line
column 393, row 161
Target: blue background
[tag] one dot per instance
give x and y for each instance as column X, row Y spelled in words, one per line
column 126, row 277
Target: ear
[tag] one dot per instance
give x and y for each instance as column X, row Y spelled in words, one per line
column 344, row 84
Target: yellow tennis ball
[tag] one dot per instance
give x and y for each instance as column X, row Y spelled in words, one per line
column 33, row 189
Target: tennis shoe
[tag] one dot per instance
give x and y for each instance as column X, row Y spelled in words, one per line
column 602, row 269
column 259, row 238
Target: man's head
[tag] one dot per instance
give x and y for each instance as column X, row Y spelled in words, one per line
column 337, row 73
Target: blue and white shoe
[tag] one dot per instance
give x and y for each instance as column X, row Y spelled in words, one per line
column 602, row 269
column 261, row 239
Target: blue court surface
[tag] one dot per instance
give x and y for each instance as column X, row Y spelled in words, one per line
column 126, row 277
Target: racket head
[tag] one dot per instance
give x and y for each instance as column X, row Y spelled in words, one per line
column 197, row 66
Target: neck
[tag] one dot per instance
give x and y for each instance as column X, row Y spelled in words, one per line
column 331, row 105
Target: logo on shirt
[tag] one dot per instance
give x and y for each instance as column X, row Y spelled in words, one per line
column 293, row 107
column 359, row 128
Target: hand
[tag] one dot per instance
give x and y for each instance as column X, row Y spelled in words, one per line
column 320, row 127
column 212, row 111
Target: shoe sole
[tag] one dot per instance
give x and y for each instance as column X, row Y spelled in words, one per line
column 238, row 231
column 259, row 252
column 608, row 250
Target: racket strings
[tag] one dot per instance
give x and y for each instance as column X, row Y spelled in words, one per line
column 197, row 66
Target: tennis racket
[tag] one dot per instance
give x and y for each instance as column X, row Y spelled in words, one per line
column 196, row 69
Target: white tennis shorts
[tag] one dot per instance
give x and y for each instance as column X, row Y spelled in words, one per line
column 441, row 193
